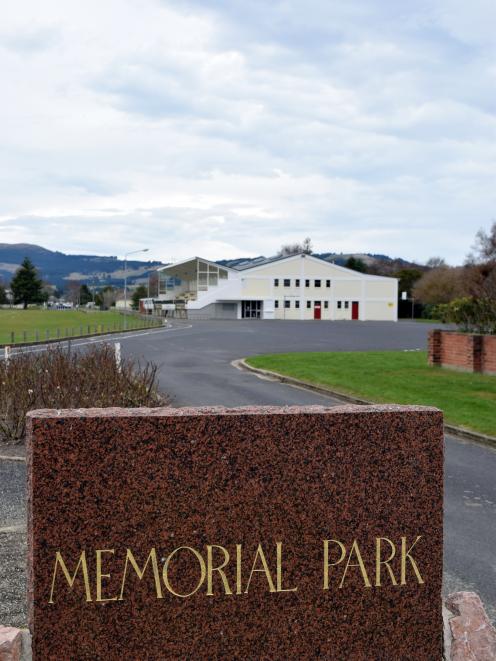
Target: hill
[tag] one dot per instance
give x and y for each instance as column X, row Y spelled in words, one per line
column 57, row 268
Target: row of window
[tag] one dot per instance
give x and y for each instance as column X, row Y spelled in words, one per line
column 287, row 304
column 287, row 282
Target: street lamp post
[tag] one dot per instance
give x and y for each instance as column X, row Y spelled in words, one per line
column 133, row 252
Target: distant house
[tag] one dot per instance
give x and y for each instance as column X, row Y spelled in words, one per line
column 298, row 287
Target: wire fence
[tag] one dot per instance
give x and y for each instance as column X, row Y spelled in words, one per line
column 33, row 335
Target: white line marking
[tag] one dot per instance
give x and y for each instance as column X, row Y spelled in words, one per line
column 98, row 339
column 7, row 457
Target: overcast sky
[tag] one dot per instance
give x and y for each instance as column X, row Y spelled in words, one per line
column 226, row 127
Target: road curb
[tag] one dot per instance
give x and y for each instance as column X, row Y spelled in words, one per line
column 458, row 432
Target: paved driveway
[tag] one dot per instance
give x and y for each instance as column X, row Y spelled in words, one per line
column 195, row 369
column 195, row 362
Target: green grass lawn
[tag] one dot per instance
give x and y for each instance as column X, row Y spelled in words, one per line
column 468, row 400
column 68, row 322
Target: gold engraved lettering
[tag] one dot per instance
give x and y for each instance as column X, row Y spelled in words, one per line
column 203, row 571
column 99, row 575
column 238, row 569
column 211, row 569
column 355, row 549
column 328, row 564
column 279, row 571
column 379, row 562
column 265, row 569
column 406, row 554
column 140, row 572
column 59, row 560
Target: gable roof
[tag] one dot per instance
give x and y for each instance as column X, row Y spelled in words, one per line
column 300, row 255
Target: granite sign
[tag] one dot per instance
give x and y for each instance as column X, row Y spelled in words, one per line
column 253, row 533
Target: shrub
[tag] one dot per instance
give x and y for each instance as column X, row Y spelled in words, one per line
column 471, row 314
column 59, row 378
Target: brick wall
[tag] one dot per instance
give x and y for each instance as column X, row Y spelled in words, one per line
column 489, row 354
column 463, row 351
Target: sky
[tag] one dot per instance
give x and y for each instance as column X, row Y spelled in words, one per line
column 226, row 128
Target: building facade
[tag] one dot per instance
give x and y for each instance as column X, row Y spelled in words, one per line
column 298, row 287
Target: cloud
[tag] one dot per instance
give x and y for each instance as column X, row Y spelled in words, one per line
column 226, row 128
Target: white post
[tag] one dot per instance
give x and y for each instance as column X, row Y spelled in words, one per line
column 117, row 347
column 7, row 355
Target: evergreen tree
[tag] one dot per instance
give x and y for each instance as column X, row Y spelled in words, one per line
column 3, row 296
column 26, row 285
column 356, row 264
column 140, row 292
column 84, row 295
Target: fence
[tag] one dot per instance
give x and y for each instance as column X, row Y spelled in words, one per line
column 83, row 330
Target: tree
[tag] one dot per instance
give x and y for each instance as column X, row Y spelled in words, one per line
column 288, row 249
column 109, row 296
column 140, row 292
column 73, row 289
column 440, row 285
column 85, row 295
column 26, row 285
column 480, row 272
column 356, row 264
column 3, row 296
column 153, row 283
column 435, row 262
column 407, row 279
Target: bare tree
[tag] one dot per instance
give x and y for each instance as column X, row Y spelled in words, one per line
column 153, row 284
column 440, row 285
column 73, row 289
column 288, row 249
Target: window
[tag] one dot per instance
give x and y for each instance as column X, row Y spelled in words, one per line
column 307, row 283
column 276, row 282
column 326, row 304
column 328, row 283
column 309, row 304
column 317, row 283
column 297, row 282
column 297, row 305
column 287, row 282
column 287, row 304
column 346, row 305
column 276, row 304
column 339, row 305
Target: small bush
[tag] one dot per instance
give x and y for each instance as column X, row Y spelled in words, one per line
column 471, row 314
column 59, row 378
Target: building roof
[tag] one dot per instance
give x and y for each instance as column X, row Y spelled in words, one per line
column 271, row 260
column 182, row 262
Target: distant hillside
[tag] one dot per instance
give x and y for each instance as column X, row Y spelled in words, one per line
column 57, row 267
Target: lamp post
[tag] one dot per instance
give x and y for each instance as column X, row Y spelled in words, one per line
column 133, row 252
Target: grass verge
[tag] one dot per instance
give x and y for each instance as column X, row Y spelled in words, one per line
column 400, row 377
column 33, row 325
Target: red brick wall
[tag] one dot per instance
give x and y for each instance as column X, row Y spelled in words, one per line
column 463, row 351
column 489, row 354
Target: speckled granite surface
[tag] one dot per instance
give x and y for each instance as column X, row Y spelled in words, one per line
column 253, row 493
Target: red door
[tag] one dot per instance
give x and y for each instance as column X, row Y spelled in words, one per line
column 354, row 310
column 316, row 310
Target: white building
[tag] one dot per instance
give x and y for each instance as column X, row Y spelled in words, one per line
column 295, row 287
